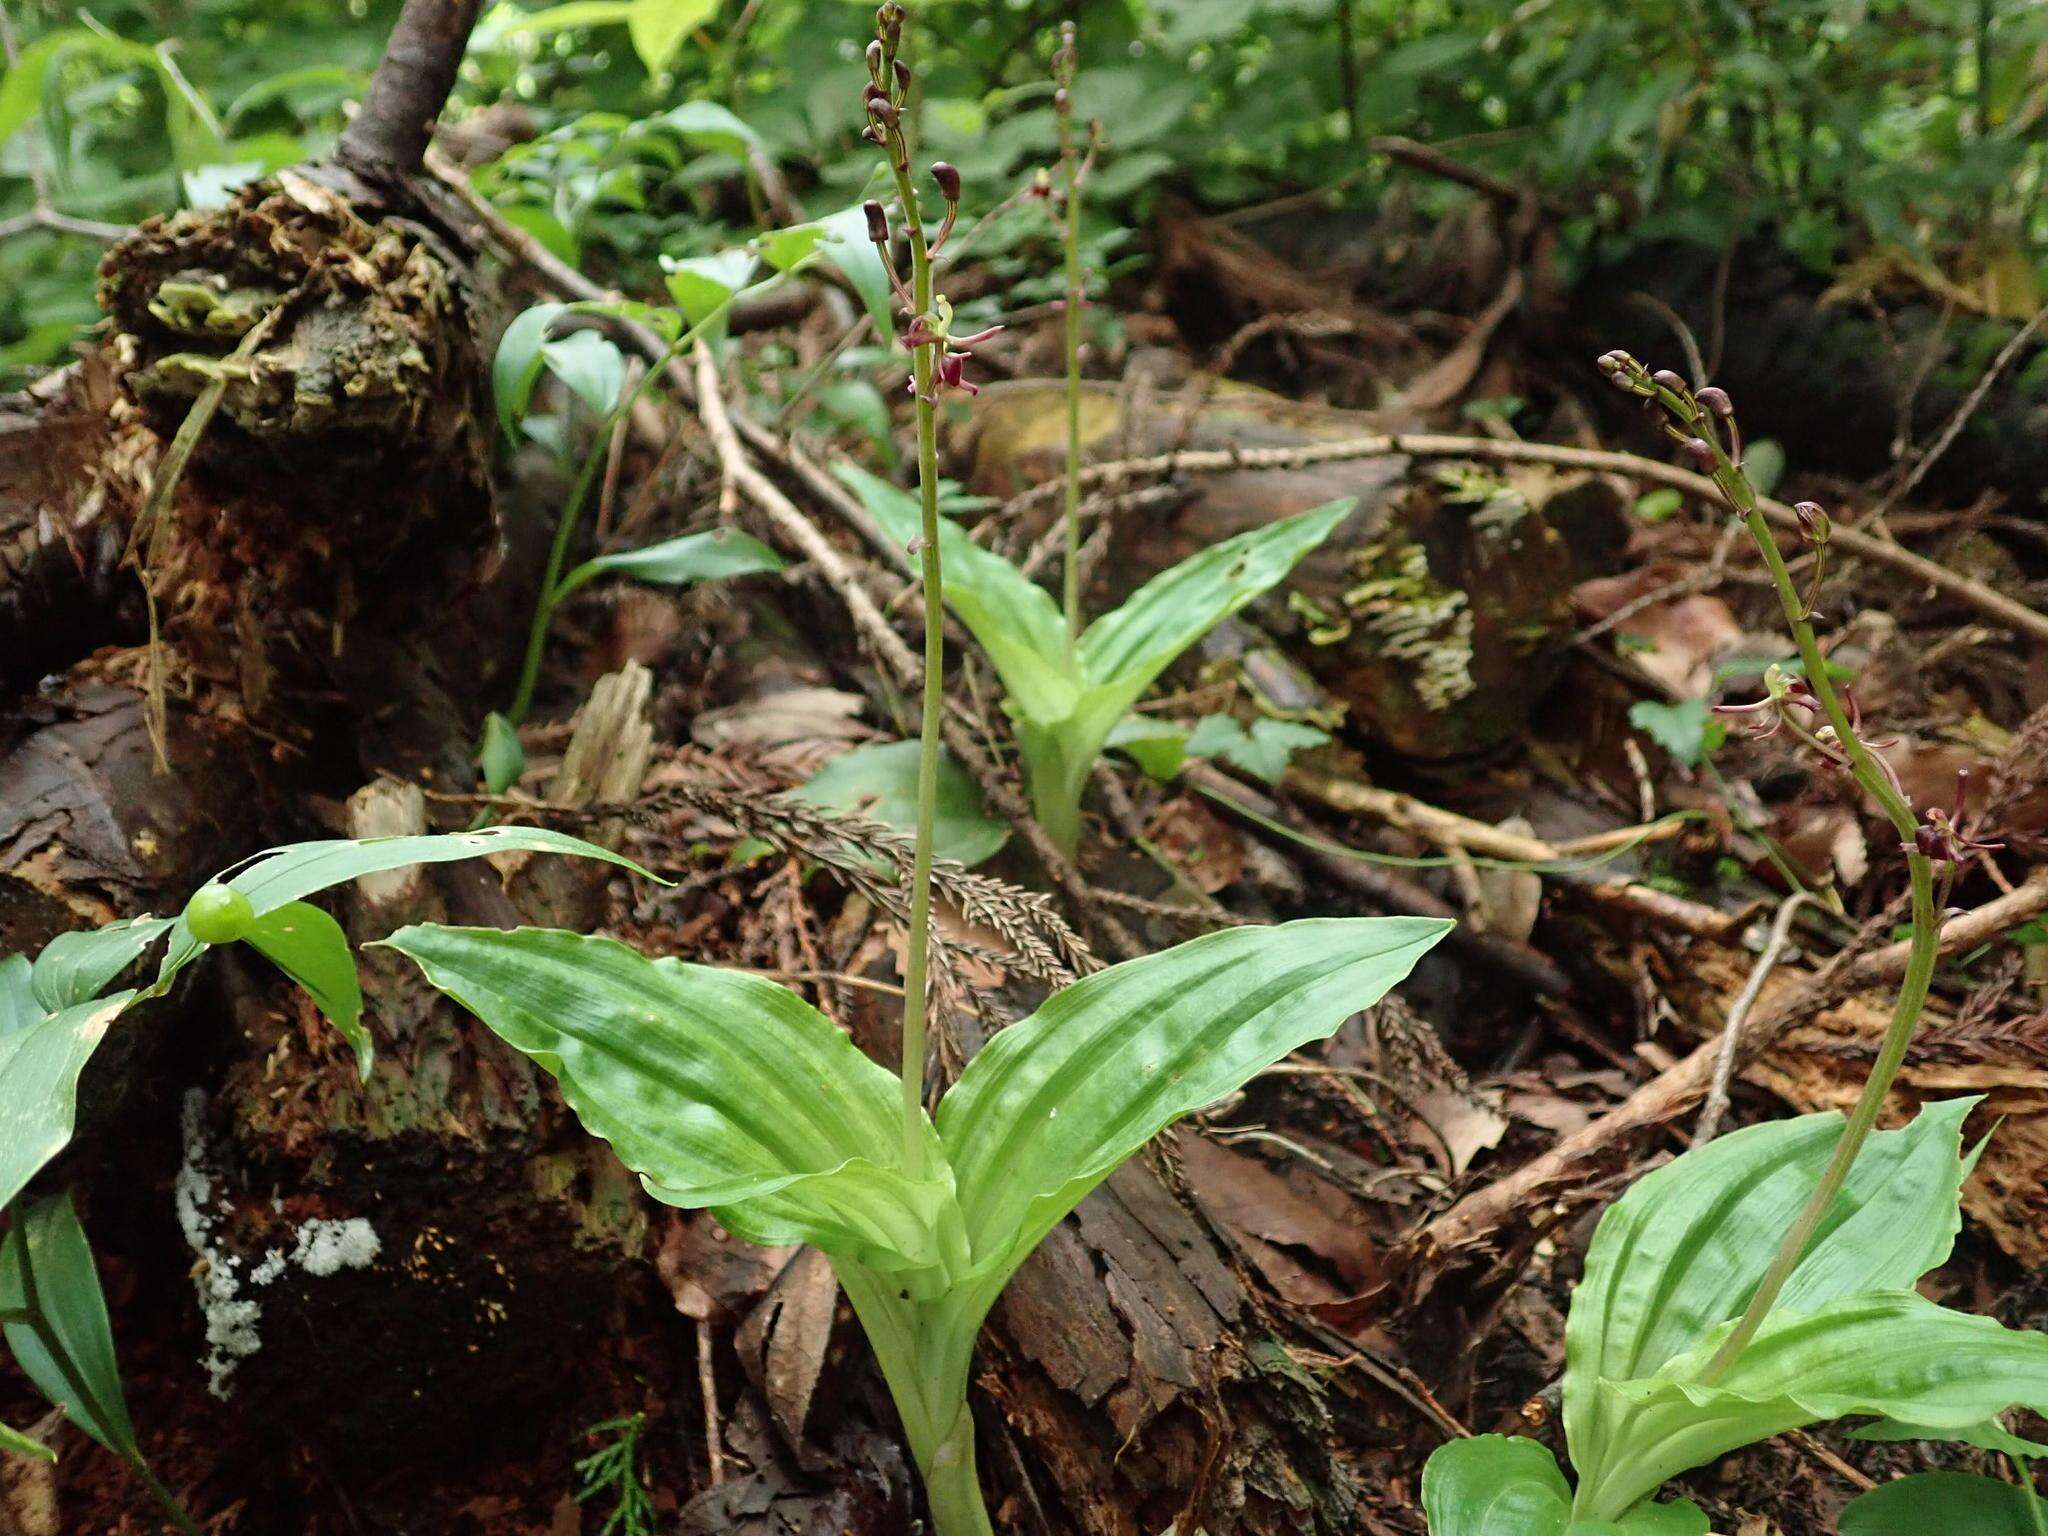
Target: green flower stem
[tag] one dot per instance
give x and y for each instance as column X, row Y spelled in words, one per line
column 952, row 1483
column 565, row 531
column 166, row 1500
column 1926, row 944
column 1070, row 157
column 917, row 956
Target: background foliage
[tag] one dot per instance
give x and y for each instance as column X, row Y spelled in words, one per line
column 1909, row 135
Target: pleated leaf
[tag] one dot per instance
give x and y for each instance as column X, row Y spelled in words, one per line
column 297, row 870
column 1936, row 1502
column 73, row 967
column 1495, row 1485
column 718, row 1088
column 1011, row 616
column 1892, row 1354
column 67, row 1347
column 39, row 1068
column 18, row 1005
column 310, row 947
column 1681, row 1252
column 1054, row 1103
column 1128, row 648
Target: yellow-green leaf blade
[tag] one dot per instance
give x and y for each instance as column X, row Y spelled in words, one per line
column 1054, row 1103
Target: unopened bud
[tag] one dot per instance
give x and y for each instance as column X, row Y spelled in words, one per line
column 1813, row 521
column 878, row 221
column 1699, row 450
column 1665, row 378
column 875, row 61
column 1060, row 101
column 1715, row 399
column 889, row 22
column 902, row 75
column 883, row 110
column 948, row 178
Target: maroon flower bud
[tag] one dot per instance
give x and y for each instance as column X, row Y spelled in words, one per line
column 1700, row 451
column 902, row 75
column 878, row 221
column 875, row 61
column 1668, row 380
column 1715, row 399
column 889, row 23
column 883, row 111
column 948, row 178
column 1813, row 522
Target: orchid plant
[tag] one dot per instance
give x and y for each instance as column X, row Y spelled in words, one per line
column 1765, row 1281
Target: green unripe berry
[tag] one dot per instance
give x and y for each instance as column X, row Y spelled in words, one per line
column 219, row 914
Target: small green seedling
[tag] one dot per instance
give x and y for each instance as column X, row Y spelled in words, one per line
column 1065, row 700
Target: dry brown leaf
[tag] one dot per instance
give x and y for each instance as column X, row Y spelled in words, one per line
column 709, row 1272
column 1677, row 641
column 784, row 1340
column 1254, row 1202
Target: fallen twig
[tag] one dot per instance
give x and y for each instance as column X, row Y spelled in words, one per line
column 1422, row 445
column 1539, row 1182
column 1716, row 1107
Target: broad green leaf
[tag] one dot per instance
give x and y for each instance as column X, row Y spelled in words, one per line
column 1014, row 619
column 516, row 366
column 18, row 1006
column 658, row 28
column 1988, row 1436
column 1065, row 704
column 1687, row 729
column 1892, row 1354
column 39, row 1069
column 1053, row 1104
column 590, row 365
column 848, row 248
column 1680, row 1252
column 310, row 947
column 703, row 286
column 682, row 562
column 1263, row 751
column 879, row 781
column 657, row 317
column 718, row 1088
column 1678, row 1517
column 787, row 249
column 73, row 967
column 67, row 1346
column 1133, row 645
column 21, row 89
column 298, row 870
column 502, row 755
column 1494, row 1485
column 710, row 126
column 1158, row 747
column 1930, row 1503
column 329, row 82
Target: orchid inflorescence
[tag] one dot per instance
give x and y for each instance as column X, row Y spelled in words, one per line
column 887, row 98
column 1702, row 422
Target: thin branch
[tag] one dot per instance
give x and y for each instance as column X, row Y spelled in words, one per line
column 2009, row 611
